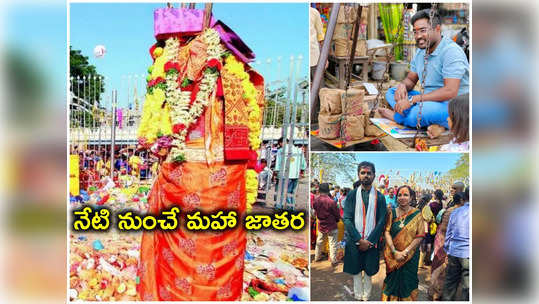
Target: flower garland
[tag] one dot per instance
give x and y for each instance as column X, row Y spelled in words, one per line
column 154, row 121
column 251, row 188
column 186, row 110
column 249, row 94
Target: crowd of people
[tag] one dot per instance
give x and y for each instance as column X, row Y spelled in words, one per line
column 130, row 166
column 270, row 159
column 410, row 229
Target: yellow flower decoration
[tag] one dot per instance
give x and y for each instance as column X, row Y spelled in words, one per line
column 251, row 188
column 154, row 119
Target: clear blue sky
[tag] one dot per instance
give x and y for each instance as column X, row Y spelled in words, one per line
column 405, row 163
column 126, row 30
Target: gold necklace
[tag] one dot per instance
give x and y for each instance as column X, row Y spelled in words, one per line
column 401, row 225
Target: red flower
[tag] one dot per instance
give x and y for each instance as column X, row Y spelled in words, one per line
column 172, row 65
column 190, row 87
column 169, row 65
column 158, row 80
column 214, row 63
column 151, row 83
column 375, row 141
column 177, row 128
column 151, row 51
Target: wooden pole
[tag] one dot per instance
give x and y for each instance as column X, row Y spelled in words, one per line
column 324, row 52
column 354, row 44
column 207, row 15
column 372, row 28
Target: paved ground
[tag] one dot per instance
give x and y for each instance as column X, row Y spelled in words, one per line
column 331, row 284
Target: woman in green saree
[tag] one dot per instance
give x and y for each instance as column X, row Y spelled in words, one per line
column 404, row 231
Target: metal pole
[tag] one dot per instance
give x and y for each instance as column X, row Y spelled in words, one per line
column 94, row 111
column 268, row 149
column 70, row 109
column 291, row 142
column 113, row 131
column 319, row 73
column 286, row 120
column 84, row 113
column 99, row 114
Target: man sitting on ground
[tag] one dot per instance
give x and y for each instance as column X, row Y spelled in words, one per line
column 447, row 77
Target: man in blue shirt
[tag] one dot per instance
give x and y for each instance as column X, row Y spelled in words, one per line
column 446, row 77
column 457, row 246
column 390, row 198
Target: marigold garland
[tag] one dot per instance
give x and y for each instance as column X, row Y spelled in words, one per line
column 251, row 188
column 155, row 120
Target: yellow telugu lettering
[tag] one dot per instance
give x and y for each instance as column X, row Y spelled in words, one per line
column 103, row 215
column 83, row 215
column 215, row 225
column 195, row 222
column 232, row 219
column 145, row 222
column 252, row 222
column 281, row 221
column 172, row 216
column 266, row 220
column 297, row 217
column 123, row 223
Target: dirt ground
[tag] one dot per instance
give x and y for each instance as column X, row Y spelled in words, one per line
column 331, row 284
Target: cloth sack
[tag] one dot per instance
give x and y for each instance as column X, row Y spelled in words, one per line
column 354, row 127
column 353, row 103
column 329, row 125
column 330, row 101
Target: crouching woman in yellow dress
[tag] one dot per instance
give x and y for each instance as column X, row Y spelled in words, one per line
column 404, row 231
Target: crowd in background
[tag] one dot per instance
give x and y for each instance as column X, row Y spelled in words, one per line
column 130, row 166
column 449, row 267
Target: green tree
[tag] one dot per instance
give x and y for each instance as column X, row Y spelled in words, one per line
column 27, row 86
column 344, row 164
column 276, row 106
column 86, row 87
column 462, row 168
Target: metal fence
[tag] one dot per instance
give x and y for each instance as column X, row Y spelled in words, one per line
column 105, row 124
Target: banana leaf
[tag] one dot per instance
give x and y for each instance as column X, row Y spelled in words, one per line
column 391, row 14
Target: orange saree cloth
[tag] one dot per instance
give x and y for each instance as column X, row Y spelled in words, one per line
column 196, row 266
